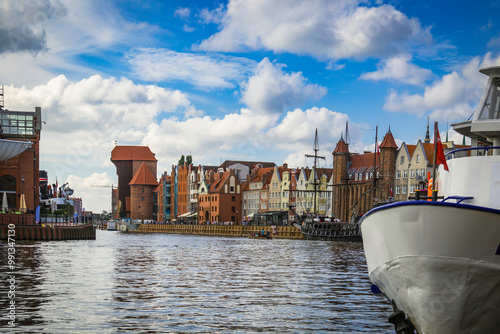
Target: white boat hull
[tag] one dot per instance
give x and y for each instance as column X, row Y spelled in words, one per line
column 439, row 262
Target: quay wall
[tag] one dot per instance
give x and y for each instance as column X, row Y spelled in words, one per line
column 47, row 232
column 282, row 232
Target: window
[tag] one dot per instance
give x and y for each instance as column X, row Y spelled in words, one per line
column 233, row 209
column 398, row 188
column 412, row 173
column 233, row 198
column 411, row 188
column 403, row 189
column 398, row 174
column 402, row 159
column 405, row 175
column 418, row 157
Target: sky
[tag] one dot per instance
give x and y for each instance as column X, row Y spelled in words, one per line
column 238, row 79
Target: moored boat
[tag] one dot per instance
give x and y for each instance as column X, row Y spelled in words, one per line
column 439, row 261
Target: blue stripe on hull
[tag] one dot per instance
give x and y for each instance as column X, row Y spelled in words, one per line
column 430, row 203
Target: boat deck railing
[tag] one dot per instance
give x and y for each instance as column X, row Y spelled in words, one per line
column 480, row 148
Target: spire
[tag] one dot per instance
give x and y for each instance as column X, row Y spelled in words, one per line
column 427, row 136
column 446, row 132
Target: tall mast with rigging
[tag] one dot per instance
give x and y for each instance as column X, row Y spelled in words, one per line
column 316, row 157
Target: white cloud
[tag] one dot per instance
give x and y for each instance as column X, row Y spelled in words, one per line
column 323, row 29
column 271, row 90
column 23, row 25
column 182, row 12
column 96, row 102
column 212, row 16
column 202, row 70
column 451, row 97
column 60, row 31
column 494, row 42
column 400, row 69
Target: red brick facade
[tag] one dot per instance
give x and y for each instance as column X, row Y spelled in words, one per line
column 362, row 179
column 128, row 161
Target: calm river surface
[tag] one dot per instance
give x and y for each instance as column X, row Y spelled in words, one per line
column 162, row 283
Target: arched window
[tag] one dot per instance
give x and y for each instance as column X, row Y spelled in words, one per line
column 8, row 186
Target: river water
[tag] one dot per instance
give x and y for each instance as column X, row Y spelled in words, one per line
column 162, row 283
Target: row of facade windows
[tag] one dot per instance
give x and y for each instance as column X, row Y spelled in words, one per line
column 413, row 173
column 402, row 159
column 403, row 189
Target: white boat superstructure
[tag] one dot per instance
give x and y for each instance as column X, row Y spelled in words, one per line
column 439, row 261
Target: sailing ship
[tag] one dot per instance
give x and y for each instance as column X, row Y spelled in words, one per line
column 438, row 261
column 316, row 227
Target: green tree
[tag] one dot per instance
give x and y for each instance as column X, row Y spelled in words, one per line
column 181, row 160
column 189, row 159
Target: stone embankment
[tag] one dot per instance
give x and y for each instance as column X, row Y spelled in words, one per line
column 281, row 232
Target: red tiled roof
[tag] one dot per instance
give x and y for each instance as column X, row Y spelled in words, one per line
column 219, row 182
column 341, row 147
column 411, row 149
column 363, row 160
column 144, row 177
column 388, row 141
column 429, row 151
column 141, row 153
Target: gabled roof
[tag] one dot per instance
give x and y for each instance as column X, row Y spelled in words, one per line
column 411, row 149
column 144, row 177
column 140, row 153
column 220, row 181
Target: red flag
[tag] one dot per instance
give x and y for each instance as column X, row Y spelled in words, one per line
column 440, row 158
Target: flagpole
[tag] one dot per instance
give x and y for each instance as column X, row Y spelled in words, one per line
column 435, row 156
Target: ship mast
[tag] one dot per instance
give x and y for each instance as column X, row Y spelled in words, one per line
column 316, row 157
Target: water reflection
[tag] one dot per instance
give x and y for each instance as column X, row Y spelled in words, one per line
column 160, row 283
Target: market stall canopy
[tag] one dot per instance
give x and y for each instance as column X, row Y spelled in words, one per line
column 12, row 148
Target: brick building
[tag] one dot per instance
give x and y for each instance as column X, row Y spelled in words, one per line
column 222, row 201
column 128, row 161
column 19, row 158
column 359, row 180
column 142, row 187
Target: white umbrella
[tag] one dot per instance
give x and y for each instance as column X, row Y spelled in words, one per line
column 5, row 205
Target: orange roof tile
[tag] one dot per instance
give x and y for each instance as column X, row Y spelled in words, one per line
column 364, row 160
column 141, row 153
column 341, row 147
column 144, row 177
column 411, row 149
column 388, row 141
